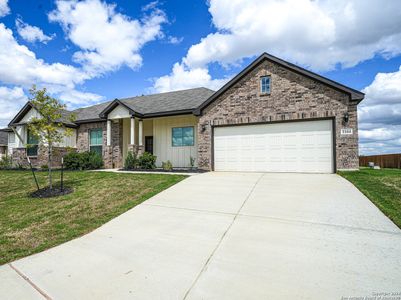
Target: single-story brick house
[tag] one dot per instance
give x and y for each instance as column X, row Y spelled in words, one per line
column 273, row 116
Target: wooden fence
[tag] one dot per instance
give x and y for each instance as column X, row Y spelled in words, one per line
column 384, row 160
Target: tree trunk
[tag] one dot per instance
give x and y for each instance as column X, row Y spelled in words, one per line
column 49, row 160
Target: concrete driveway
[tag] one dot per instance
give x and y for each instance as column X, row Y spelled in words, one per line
column 226, row 236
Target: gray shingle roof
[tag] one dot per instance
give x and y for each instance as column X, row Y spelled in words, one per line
column 90, row 112
column 171, row 101
column 152, row 104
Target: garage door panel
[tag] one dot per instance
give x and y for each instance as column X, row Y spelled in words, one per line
column 281, row 147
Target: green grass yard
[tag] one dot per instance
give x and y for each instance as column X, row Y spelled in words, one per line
column 30, row 225
column 382, row 187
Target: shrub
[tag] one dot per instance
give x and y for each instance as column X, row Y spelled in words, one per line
column 131, row 161
column 147, row 161
column 5, row 163
column 167, row 166
column 72, row 161
column 95, row 161
column 44, row 167
column 83, row 161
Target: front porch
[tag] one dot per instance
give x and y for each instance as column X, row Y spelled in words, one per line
column 124, row 135
column 154, row 135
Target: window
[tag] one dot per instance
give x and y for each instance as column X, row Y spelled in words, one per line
column 96, row 140
column 11, row 138
column 265, row 85
column 183, row 136
column 32, row 149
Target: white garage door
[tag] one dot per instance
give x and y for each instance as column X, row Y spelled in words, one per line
column 281, row 147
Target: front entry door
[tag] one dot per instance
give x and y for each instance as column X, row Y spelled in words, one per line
column 149, row 144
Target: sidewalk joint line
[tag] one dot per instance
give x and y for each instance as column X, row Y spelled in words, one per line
column 39, row 290
column 320, row 223
column 277, row 219
column 191, row 209
column 221, row 239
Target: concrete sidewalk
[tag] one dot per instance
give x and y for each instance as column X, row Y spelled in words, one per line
column 225, row 236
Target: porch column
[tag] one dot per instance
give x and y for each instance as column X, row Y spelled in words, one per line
column 140, row 134
column 108, row 137
column 132, row 139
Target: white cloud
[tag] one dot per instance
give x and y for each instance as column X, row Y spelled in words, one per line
column 74, row 98
column 317, row 34
column 380, row 115
column 11, row 101
column 19, row 65
column 107, row 39
column 31, row 33
column 174, row 40
column 20, row 68
column 184, row 78
column 385, row 89
column 340, row 32
column 4, row 9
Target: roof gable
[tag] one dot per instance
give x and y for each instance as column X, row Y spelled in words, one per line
column 21, row 114
column 354, row 94
column 115, row 105
column 25, row 115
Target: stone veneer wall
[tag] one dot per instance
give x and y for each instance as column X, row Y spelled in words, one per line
column 19, row 156
column 136, row 149
column 293, row 97
column 112, row 155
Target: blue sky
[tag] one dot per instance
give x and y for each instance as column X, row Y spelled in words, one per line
column 91, row 51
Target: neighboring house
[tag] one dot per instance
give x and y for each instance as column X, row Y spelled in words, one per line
column 3, row 143
column 273, row 116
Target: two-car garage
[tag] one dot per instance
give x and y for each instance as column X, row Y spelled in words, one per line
column 300, row 146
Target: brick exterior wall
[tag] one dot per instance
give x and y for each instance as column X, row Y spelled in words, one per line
column 19, row 156
column 293, row 97
column 112, row 155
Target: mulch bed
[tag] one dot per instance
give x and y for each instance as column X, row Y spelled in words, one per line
column 48, row 193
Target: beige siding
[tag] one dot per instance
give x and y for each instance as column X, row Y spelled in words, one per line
column 32, row 113
column 21, row 131
column 118, row 113
column 147, row 129
column 12, row 141
column 163, row 149
column 69, row 141
column 126, row 136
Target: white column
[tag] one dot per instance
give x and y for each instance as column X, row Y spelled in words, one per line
column 108, row 137
column 132, row 140
column 140, row 134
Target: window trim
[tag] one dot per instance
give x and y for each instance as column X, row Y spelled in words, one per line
column 95, row 145
column 182, row 127
column 260, row 85
column 33, row 146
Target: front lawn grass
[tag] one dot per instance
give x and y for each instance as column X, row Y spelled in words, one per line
column 30, row 225
column 382, row 187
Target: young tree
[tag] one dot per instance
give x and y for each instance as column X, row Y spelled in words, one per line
column 49, row 127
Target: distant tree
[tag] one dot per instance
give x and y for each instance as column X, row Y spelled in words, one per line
column 49, row 127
